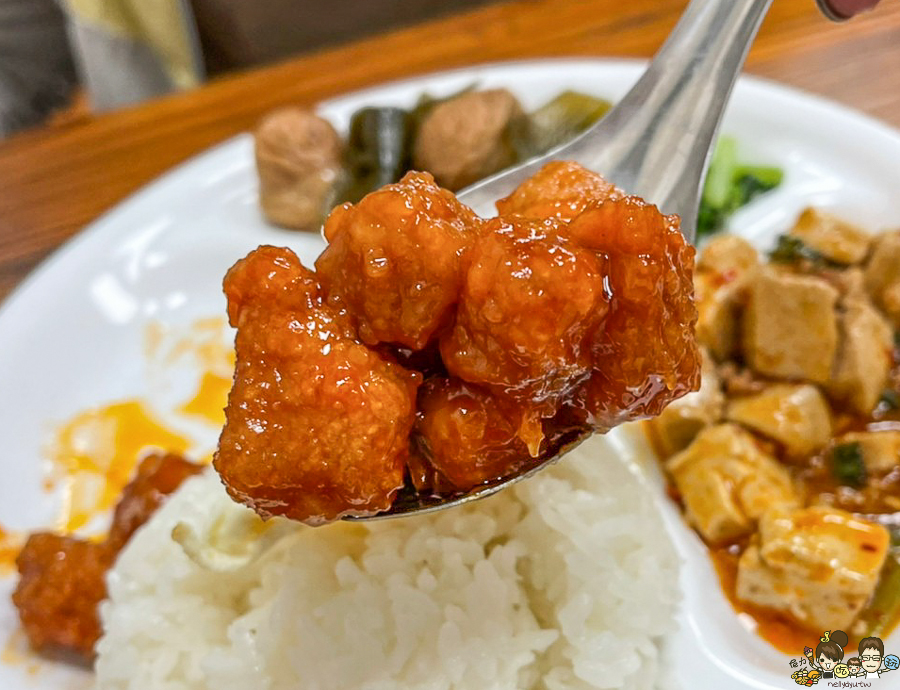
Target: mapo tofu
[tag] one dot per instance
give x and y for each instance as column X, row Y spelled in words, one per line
column 787, row 462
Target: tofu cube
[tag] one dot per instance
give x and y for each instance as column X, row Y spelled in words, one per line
column 883, row 274
column 880, row 450
column 790, row 326
column 683, row 419
column 718, row 315
column 863, row 359
column 818, row 565
column 832, row 237
column 723, row 271
column 794, row 415
column 727, row 482
column 728, row 256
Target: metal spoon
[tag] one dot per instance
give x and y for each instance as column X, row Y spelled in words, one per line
column 655, row 143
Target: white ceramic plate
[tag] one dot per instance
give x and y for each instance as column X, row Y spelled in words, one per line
column 72, row 336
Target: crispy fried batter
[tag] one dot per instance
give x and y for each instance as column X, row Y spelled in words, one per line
column 395, row 260
column 574, row 308
column 158, row 476
column 60, row 589
column 63, row 579
column 467, row 437
column 645, row 355
column 558, row 190
column 531, row 300
column 317, row 424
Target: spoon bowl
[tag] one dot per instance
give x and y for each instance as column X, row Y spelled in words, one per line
column 655, row 143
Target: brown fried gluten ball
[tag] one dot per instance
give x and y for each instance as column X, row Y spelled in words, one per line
column 645, row 355
column 299, row 161
column 468, row 137
column 560, row 190
column 396, row 260
column 317, row 424
column 531, row 301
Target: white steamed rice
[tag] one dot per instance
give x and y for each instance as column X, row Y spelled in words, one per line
column 565, row 581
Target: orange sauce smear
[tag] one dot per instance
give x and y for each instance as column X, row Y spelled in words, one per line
column 97, row 452
column 9, row 549
column 209, row 402
column 782, row 632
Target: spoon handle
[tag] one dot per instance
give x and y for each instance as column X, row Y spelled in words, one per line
column 657, row 141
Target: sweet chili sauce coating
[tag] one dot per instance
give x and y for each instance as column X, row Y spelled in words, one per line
column 560, row 190
column 62, row 580
column 395, row 260
column 317, row 425
column 645, row 355
column 61, row 584
column 158, row 476
column 530, row 304
column 465, row 435
column 572, row 309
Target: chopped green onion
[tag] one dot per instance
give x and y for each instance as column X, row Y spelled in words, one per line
column 792, row 250
column 847, row 465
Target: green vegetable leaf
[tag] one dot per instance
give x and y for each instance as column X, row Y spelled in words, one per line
column 730, row 185
column 720, row 177
column 559, row 120
column 751, row 182
column 847, row 465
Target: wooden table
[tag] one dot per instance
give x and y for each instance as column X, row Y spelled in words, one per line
column 58, row 178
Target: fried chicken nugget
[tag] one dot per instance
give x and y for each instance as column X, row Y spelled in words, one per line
column 61, row 584
column 395, row 260
column 645, row 355
column 158, row 476
column 317, row 424
column 560, row 190
column 63, row 579
column 466, row 434
column 531, row 301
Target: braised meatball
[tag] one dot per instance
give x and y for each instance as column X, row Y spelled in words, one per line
column 468, row 137
column 60, row 589
column 157, row 477
column 396, row 260
column 317, row 424
column 466, row 435
column 645, row 355
column 559, row 190
column 299, row 161
column 531, row 300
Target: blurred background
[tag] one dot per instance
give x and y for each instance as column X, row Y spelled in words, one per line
column 103, row 54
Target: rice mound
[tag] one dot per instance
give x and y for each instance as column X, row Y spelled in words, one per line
column 565, row 581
